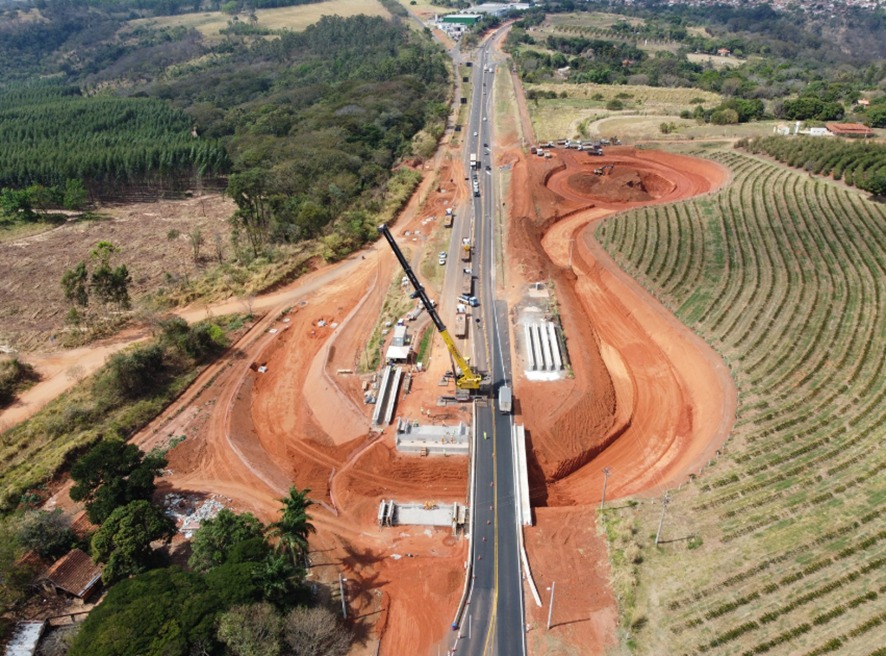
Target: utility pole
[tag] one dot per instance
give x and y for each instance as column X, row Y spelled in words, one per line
column 341, row 590
column 551, row 607
column 664, row 506
column 606, row 472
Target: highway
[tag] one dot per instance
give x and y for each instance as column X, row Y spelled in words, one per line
column 492, row 623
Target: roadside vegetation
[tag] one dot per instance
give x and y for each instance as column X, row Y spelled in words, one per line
column 130, row 390
column 778, row 544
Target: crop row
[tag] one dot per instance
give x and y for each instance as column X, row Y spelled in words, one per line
column 802, row 600
column 855, row 162
column 835, row 644
column 786, row 277
column 766, row 564
column 771, row 588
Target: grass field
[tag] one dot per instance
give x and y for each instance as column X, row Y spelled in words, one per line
column 586, row 103
column 290, row 18
column 716, row 61
column 778, row 546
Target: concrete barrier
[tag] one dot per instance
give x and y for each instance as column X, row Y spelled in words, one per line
column 530, row 354
column 536, row 346
column 382, row 397
column 555, row 345
column 392, row 395
column 546, row 348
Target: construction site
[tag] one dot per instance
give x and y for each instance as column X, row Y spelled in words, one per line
column 385, row 451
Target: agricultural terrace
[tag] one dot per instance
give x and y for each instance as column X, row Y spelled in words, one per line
column 296, row 18
column 779, row 546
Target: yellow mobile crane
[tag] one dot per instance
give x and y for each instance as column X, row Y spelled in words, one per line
column 469, row 379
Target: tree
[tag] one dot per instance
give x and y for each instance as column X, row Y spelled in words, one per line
column 877, row 116
column 294, row 526
column 47, row 533
column 252, row 630
column 216, row 538
column 315, row 632
column 134, row 373
column 123, row 542
column 279, row 579
column 74, row 283
column 197, row 240
column 875, row 183
column 16, row 204
column 14, row 574
column 112, row 474
column 163, row 611
column 75, row 196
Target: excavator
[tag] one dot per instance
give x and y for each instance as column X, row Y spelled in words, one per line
column 469, row 379
column 603, row 169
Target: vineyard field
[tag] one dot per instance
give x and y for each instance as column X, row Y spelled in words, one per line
column 779, row 545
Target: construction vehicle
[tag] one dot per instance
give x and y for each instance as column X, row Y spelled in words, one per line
column 604, row 170
column 466, row 250
column 467, row 284
column 469, row 379
column 505, row 399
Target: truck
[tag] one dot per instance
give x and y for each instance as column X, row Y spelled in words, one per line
column 461, row 325
column 466, row 250
column 449, row 218
column 505, row 399
column 474, row 164
column 467, row 284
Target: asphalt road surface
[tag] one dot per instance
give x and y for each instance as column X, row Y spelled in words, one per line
column 492, row 623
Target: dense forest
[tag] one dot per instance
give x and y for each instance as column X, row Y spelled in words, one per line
column 309, row 126
column 50, row 133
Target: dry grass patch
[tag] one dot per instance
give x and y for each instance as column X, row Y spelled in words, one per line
column 296, row 18
column 592, row 19
column 715, row 60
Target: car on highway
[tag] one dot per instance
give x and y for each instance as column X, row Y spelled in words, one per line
column 475, row 134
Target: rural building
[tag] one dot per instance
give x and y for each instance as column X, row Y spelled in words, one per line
column 863, row 102
column 850, row 130
column 817, row 132
column 73, row 575
column 724, row 52
column 466, row 20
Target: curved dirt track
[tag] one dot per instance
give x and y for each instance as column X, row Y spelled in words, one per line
column 670, row 401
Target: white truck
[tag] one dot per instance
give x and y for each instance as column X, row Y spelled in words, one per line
column 505, row 399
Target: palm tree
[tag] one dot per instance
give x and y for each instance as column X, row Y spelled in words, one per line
column 294, row 526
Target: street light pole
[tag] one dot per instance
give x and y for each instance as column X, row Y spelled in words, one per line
column 606, row 472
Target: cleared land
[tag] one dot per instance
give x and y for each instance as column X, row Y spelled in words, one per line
column 778, row 546
column 294, row 18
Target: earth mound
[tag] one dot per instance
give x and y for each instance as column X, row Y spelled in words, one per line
column 620, row 184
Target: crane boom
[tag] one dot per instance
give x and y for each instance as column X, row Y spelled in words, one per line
column 469, row 378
